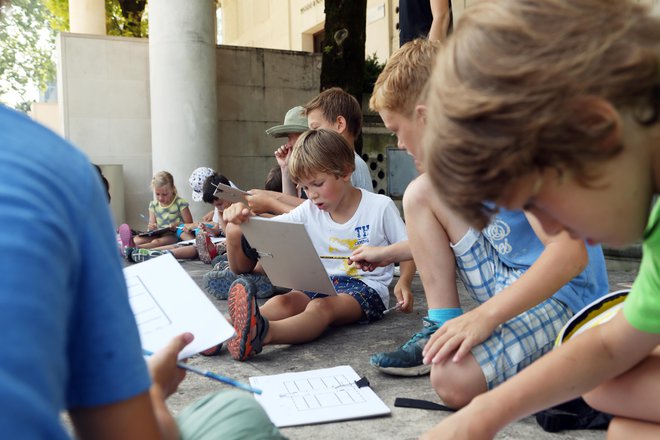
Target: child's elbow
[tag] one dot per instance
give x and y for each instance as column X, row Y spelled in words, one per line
column 580, row 258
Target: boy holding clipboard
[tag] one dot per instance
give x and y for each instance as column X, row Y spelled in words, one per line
column 339, row 219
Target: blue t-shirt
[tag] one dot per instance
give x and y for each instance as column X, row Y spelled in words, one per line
column 69, row 336
column 521, row 249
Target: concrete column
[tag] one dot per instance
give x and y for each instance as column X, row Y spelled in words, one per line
column 183, row 90
column 87, row 16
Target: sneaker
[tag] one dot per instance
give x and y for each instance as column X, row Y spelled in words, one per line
column 245, row 316
column 407, row 360
column 219, row 259
column 126, row 238
column 213, row 351
column 205, row 247
column 140, row 255
column 218, row 281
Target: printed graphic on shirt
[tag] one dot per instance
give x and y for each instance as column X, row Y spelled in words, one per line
column 498, row 231
column 344, row 246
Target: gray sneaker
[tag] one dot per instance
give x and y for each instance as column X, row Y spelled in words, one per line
column 407, row 360
column 218, row 281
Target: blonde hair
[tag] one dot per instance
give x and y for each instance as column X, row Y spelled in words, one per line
column 162, row 179
column 400, row 85
column 511, row 93
column 321, row 151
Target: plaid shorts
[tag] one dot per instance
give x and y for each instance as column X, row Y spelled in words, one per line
column 369, row 300
column 519, row 341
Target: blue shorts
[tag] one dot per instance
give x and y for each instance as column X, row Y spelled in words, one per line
column 519, row 341
column 369, row 300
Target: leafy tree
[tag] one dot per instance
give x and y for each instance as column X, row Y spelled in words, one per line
column 26, row 58
column 122, row 17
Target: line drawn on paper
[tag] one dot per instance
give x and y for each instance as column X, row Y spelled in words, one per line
column 149, row 315
column 321, row 392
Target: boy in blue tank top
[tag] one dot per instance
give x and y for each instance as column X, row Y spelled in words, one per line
column 527, row 283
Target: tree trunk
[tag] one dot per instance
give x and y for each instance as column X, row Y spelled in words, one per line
column 343, row 48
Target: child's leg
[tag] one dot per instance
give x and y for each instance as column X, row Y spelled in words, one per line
column 432, row 227
column 624, row 429
column 253, row 331
column 155, row 242
column 634, row 396
column 512, row 346
column 141, row 241
column 182, row 252
column 319, row 314
column 285, row 306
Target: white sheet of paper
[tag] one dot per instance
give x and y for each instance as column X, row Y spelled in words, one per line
column 166, row 302
column 316, row 396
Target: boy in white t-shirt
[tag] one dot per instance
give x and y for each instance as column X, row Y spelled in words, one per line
column 339, row 219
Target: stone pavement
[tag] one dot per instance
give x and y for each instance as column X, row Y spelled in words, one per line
column 352, row 345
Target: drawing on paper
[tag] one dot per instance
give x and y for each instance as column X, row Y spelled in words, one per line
column 320, row 392
column 149, row 316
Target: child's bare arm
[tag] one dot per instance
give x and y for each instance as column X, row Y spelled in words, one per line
column 590, row 359
column 282, row 155
column 262, row 201
column 237, row 213
column 208, row 216
column 145, row 416
column 368, row 258
column 152, row 221
column 403, row 288
column 562, row 260
column 187, row 215
column 234, row 216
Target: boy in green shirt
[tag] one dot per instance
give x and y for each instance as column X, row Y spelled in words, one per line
column 554, row 107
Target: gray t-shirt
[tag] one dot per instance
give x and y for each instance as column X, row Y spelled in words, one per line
column 361, row 177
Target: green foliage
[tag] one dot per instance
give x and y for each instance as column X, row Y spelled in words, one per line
column 26, row 58
column 372, row 69
column 59, row 13
column 117, row 22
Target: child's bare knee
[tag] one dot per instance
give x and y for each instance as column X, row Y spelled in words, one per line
column 318, row 307
column 448, row 388
column 600, row 397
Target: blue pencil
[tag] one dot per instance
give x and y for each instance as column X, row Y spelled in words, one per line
column 211, row 375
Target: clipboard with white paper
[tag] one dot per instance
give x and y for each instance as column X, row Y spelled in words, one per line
column 166, row 302
column 317, row 396
column 287, row 254
column 231, row 194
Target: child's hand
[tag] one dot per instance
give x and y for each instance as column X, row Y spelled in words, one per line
column 259, row 201
column 152, row 226
column 208, row 217
column 404, row 295
column 461, row 425
column 237, row 213
column 211, row 228
column 282, row 155
column 457, row 337
column 165, row 374
column 368, row 258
